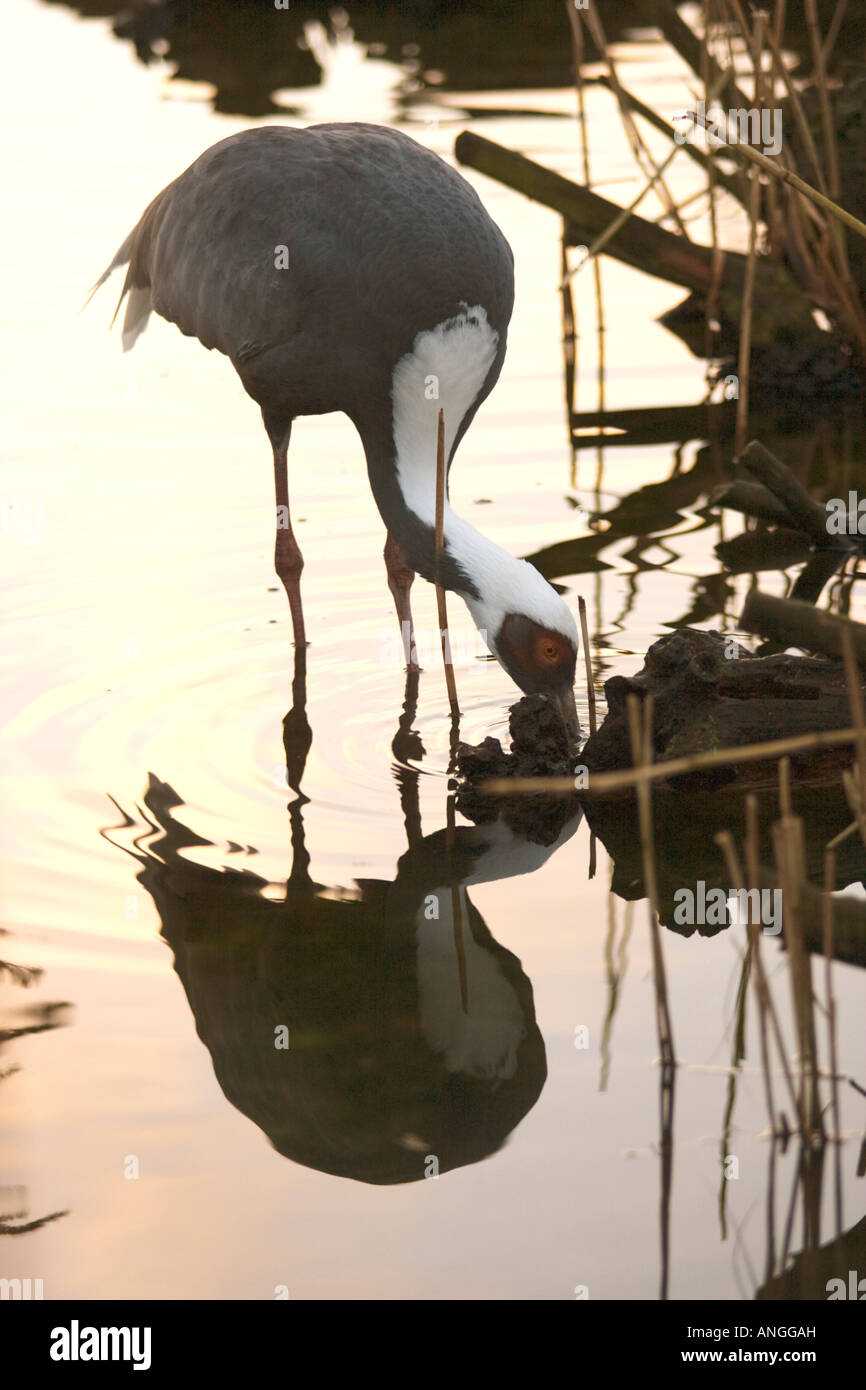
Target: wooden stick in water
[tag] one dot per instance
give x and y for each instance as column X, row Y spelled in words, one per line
column 441, row 606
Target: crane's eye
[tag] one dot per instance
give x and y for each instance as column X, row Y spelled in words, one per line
column 548, row 651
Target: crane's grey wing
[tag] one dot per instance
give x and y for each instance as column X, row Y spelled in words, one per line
column 206, row 254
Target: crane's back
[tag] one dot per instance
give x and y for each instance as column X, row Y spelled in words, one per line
column 313, row 258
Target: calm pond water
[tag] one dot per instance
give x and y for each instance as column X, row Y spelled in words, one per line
column 173, row 894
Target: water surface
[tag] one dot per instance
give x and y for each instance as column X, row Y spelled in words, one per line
column 179, row 898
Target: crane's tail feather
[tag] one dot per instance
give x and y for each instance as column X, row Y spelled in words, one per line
column 121, row 258
column 139, row 303
column 138, row 307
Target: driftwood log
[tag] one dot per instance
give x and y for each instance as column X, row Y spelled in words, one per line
column 686, row 854
column 801, row 625
column 754, row 551
column 788, row 347
column 774, row 476
column 710, row 693
column 775, row 494
column 752, row 499
column 780, row 305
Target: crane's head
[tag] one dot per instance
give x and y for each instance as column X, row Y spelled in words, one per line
column 532, row 634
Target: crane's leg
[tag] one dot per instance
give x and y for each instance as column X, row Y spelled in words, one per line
column 400, row 579
column 288, row 560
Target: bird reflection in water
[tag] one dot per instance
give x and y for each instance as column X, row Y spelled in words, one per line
column 412, row 1041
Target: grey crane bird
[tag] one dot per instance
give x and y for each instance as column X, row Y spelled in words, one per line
column 346, row 268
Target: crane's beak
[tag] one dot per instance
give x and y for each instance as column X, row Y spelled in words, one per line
column 564, row 701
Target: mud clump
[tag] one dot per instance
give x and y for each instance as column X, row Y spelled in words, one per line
column 540, row 747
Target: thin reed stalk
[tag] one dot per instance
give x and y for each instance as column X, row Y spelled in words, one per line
column 644, row 158
column 577, row 36
column 827, row 943
column 456, row 905
column 590, row 687
column 725, row 841
column 782, row 175
column 441, row 605
column 753, row 871
column 640, row 733
column 789, row 852
column 603, row 783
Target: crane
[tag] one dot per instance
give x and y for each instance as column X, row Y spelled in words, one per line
column 345, row 267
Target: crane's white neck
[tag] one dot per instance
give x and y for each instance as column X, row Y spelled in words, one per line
column 446, row 370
